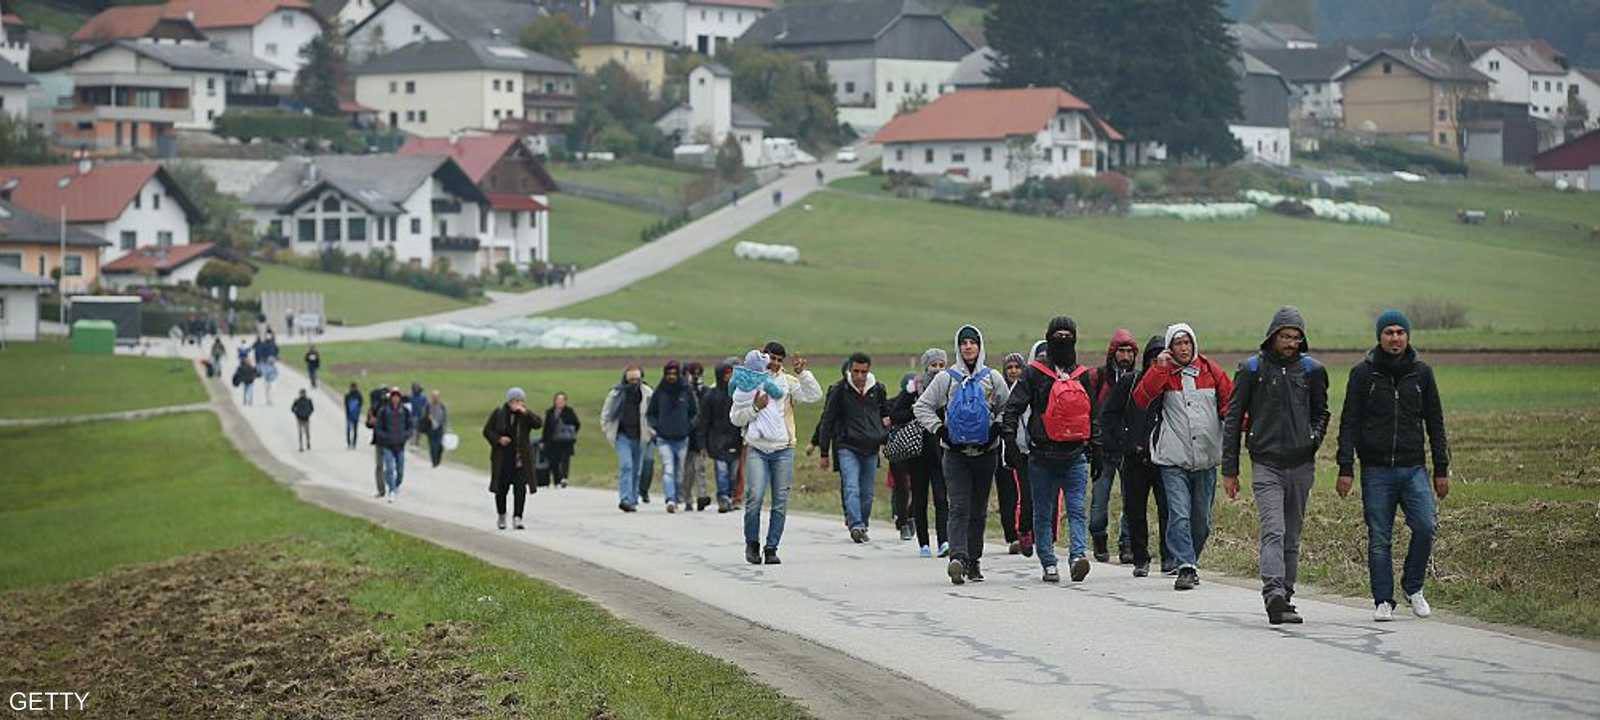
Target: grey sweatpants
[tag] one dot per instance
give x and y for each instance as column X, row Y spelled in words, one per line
column 692, row 483
column 377, row 470
column 1281, row 496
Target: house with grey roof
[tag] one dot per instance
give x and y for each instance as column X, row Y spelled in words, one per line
column 711, row 116
column 1415, row 93
column 1529, row 72
column 1272, row 36
column 1318, row 101
column 1263, row 130
column 419, row 208
column 438, row 87
column 879, row 52
column 14, row 89
column 702, row 26
column 397, row 23
column 611, row 34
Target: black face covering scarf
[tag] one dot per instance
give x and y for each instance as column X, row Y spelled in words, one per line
column 1063, row 352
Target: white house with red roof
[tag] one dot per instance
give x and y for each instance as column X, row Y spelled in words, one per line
column 272, row 31
column 516, row 184
column 703, row 26
column 131, row 205
column 163, row 266
column 999, row 137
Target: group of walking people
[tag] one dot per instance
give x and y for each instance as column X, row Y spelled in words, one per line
column 1051, row 435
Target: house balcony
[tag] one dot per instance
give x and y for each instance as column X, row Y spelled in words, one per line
column 90, row 114
column 546, row 100
column 455, row 243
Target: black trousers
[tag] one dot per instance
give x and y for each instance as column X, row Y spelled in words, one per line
column 927, row 473
column 560, row 457
column 967, row 479
column 900, row 495
column 1016, row 500
column 1140, row 480
column 517, row 488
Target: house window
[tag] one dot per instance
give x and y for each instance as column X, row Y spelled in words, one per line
column 211, row 115
column 275, row 228
column 1444, row 139
column 332, row 230
column 1494, row 65
column 988, row 154
column 483, row 219
column 422, row 116
column 1049, row 154
column 1086, row 158
column 130, row 239
column 211, row 87
column 626, row 54
column 381, row 227
column 497, row 114
column 900, row 154
column 394, row 87
column 416, row 226
column 164, row 238
column 155, row 200
column 358, row 229
column 306, row 230
column 411, row 87
column 511, row 86
column 411, row 116
column 958, row 155
column 850, row 87
column 416, row 29
column 888, row 87
column 1388, row 68
column 74, row 265
column 272, row 49
column 721, row 16
column 927, row 156
column 549, row 116
column 496, row 84
column 11, row 260
column 331, row 204
column 288, row 20
column 138, row 200
column 1442, row 114
column 924, row 89
column 1547, row 86
column 1061, row 124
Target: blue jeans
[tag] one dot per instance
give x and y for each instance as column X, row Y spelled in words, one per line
column 762, row 470
column 672, row 452
column 726, row 469
column 350, row 427
column 1189, row 496
column 249, row 392
column 856, row 474
column 630, row 457
column 1050, row 479
column 1100, row 503
column 1382, row 489
column 394, row 467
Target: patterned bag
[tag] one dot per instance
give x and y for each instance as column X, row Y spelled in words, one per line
column 905, row 442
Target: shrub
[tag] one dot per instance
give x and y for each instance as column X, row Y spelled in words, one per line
column 505, row 270
column 1432, row 313
column 221, row 273
column 285, row 126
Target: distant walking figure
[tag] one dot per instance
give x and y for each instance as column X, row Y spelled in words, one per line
column 302, row 415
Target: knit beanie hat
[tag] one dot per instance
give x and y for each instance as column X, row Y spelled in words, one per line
column 515, row 394
column 1392, row 317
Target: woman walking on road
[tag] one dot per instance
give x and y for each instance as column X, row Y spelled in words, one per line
column 435, row 418
column 510, row 459
column 560, row 438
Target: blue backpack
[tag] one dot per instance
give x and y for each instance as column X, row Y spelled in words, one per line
column 968, row 417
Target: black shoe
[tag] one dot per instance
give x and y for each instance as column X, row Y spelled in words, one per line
column 974, row 573
column 1027, row 544
column 1080, row 569
column 908, row 531
column 1052, row 575
column 700, row 504
column 1100, row 552
column 1141, row 570
column 1279, row 611
column 1124, row 555
column 957, row 571
column 857, row 536
column 752, row 553
column 1187, row 579
column 644, row 498
column 627, row 508
column 771, row 557
column 723, row 505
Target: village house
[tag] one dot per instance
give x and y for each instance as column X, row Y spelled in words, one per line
column 702, row 26
column 879, row 52
column 19, row 305
column 999, row 137
column 1528, row 72
column 272, row 31
column 31, row 243
column 1414, row 93
column 1272, row 36
column 14, row 46
column 420, row 209
column 1577, row 163
column 434, row 88
column 130, row 205
column 612, row 35
column 1263, row 131
column 14, row 90
column 515, row 182
column 711, row 116
column 398, row 23
column 1318, row 101
column 164, row 267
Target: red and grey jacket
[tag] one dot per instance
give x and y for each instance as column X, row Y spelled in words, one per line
column 1194, row 403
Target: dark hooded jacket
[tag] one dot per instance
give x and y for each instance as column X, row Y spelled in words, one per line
column 722, row 439
column 552, row 419
column 1391, row 405
column 352, row 405
column 854, row 419
column 1279, row 406
column 514, row 462
column 302, row 407
column 1033, row 393
column 392, row 426
column 697, row 392
column 673, row 408
column 1124, row 426
column 1104, row 378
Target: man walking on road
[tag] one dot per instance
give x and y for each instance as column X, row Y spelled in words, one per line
column 352, row 415
column 1126, row 431
column 962, row 407
column 375, row 402
column 721, row 437
column 769, row 437
column 693, row 484
column 622, row 420
column 302, row 415
column 1390, row 403
column 437, row 419
column 392, row 427
column 671, row 414
column 1280, row 402
column 1062, row 433
column 1120, row 356
column 313, row 364
column 855, row 422
column 1193, row 393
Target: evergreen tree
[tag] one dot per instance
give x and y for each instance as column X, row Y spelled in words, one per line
column 22, row 144
column 316, row 86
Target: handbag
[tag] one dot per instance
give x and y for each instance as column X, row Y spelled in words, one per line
column 905, row 442
column 563, row 432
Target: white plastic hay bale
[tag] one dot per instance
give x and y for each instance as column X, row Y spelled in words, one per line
column 543, row 333
column 1194, row 212
column 1325, row 209
column 786, row 254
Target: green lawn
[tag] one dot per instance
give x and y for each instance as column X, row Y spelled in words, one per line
column 353, row 301
column 589, row 232
column 47, row 16
column 896, row 275
column 648, row 181
column 81, row 500
column 42, row 379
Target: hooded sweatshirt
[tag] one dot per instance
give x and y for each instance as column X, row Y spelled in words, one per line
column 853, row 417
column 1279, row 406
column 930, row 406
column 1193, row 402
column 671, row 410
column 1125, row 427
column 1102, row 379
column 1025, row 408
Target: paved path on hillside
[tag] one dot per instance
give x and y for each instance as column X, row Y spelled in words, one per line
column 1012, row 646
column 97, row 417
column 650, row 258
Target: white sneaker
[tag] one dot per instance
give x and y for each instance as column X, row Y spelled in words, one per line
column 1384, row 613
column 1419, row 605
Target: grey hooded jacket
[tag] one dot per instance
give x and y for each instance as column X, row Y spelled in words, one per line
column 929, row 408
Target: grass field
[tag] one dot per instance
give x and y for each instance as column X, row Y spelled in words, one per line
column 83, row 500
column 894, row 275
column 590, row 232
column 353, row 301
column 46, row 16
column 42, row 379
column 1525, row 448
column 642, row 180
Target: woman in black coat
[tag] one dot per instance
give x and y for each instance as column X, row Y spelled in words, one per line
column 560, row 438
column 510, row 456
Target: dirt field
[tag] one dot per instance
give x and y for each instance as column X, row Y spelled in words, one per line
column 242, row 633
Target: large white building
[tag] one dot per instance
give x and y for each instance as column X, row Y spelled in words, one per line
column 1264, row 96
column 711, row 116
column 193, row 79
column 999, row 137
column 435, row 88
column 272, row 31
column 398, row 23
column 1525, row 72
column 879, row 52
column 14, row 46
column 703, row 26
column 516, row 184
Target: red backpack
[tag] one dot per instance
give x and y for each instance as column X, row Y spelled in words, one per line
column 1066, row 413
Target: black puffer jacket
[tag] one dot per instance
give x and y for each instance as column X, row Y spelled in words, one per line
column 854, row 419
column 1124, row 426
column 722, row 439
column 1279, row 406
column 1391, row 406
